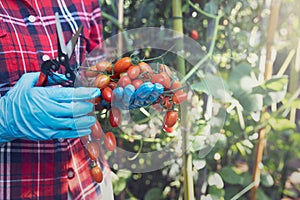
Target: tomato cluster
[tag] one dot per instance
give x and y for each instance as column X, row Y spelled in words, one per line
column 93, row 145
column 135, row 75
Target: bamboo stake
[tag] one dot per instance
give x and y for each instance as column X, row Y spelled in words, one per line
column 188, row 185
column 267, row 75
column 294, row 80
column 120, row 21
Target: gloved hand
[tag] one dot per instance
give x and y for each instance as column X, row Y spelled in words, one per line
column 43, row 113
column 128, row 98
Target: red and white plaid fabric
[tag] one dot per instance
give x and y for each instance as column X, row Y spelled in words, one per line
column 47, row 169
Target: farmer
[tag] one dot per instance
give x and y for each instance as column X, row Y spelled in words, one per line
column 41, row 156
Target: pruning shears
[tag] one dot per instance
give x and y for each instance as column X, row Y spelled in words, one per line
column 65, row 52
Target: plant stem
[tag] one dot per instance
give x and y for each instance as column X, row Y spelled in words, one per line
column 241, row 193
column 188, row 185
column 208, row 55
column 112, row 19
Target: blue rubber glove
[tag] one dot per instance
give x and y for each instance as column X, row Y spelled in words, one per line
column 128, row 98
column 43, row 113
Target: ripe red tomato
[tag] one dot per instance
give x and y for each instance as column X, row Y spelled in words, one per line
column 179, row 96
column 96, row 130
column 165, row 68
column 157, row 107
column 133, row 71
column 115, row 75
column 146, row 70
column 168, row 129
column 93, row 150
column 106, row 94
column 137, row 83
column 112, row 85
column 123, row 81
column 167, row 80
column 194, row 34
column 110, row 141
column 167, row 103
column 101, row 81
column 158, row 78
column 122, row 64
column 84, row 139
column 115, row 117
column 175, row 85
column 170, row 118
column 92, row 71
column 97, row 174
column 104, row 66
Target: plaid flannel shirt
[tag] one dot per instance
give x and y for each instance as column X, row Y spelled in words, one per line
column 46, row 169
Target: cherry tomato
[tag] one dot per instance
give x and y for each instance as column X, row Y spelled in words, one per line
column 106, row 94
column 175, row 85
column 194, row 34
column 115, row 75
column 170, row 118
column 110, row 141
column 137, row 83
column 179, row 96
column 158, row 78
column 112, row 85
column 92, row 71
column 146, row 70
column 96, row 131
column 165, row 68
column 167, row 103
column 93, row 150
column 104, row 66
column 84, row 139
column 157, row 107
column 168, row 129
column 123, row 81
column 122, row 65
column 101, row 81
column 115, row 117
column 134, row 71
column 167, row 80
column 97, row 174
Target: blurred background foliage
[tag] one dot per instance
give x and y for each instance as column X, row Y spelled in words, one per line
column 239, row 56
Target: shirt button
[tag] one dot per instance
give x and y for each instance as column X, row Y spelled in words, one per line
column 31, row 18
column 71, row 173
column 60, row 139
column 45, row 57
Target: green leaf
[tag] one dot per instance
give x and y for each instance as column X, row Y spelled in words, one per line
column 216, row 180
column 211, row 7
column 281, row 124
column 273, row 90
column 240, row 80
column 216, row 193
column 153, row 194
column 251, row 102
column 119, row 185
column 231, row 191
column 212, row 85
column 230, row 176
column 275, row 84
column 261, row 195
